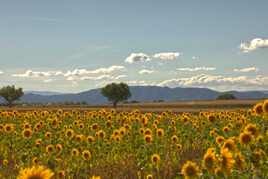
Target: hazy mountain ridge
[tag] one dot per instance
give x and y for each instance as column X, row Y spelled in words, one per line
column 141, row 94
column 42, row 93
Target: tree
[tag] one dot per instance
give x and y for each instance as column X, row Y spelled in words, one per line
column 226, row 97
column 115, row 92
column 11, row 94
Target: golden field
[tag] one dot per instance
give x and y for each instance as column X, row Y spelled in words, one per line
column 204, row 139
column 158, row 107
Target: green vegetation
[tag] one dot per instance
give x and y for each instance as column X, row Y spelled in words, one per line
column 226, row 97
column 116, row 92
column 11, row 94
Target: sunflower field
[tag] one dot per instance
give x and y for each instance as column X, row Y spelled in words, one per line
column 109, row 144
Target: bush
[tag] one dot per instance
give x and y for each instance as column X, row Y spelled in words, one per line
column 226, row 97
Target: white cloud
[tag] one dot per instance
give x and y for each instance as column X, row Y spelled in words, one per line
column 137, row 57
column 167, row 56
column 70, row 78
column 110, row 69
column 245, row 70
column 75, row 72
column 197, row 69
column 49, row 80
column 1, row 72
column 74, row 84
column 37, row 74
column 120, row 76
column 103, row 77
column 141, row 83
column 211, row 81
column 254, row 44
column 144, row 71
column 195, row 57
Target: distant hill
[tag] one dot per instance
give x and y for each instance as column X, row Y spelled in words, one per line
column 141, row 94
column 42, row 93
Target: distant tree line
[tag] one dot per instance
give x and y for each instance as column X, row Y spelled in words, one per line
column 226, row 97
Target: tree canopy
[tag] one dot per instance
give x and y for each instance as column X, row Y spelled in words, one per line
column 11, row 94
column 116, row 92
column 226, row 97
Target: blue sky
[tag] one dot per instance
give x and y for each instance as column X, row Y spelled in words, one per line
column 72, row 46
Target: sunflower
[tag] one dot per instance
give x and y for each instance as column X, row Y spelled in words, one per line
column 95, row 126
column 212, row 118
column 59, row 148
column 160, row 132
column 48, row 134
column 27, row 133
column 90, row 139
column 1, row 127
column 95, row 177
column 209, row 160
column 179, row 146
column 81, row 126
column 219, row 172
column 116, row 132
column 175, row 139
column 155, row 158
column 252, row 128
column 5, row 162
column 260, row 139
column 8, row 128
column 226, row 161
column 86, row 155
column 148, row 139
column 36, row 172
column 101, row 134
column 50, row 148
column 79, row 138
column 258, row 108
column 69, row 133
column 117, row 138
column 229, row 144
column 34, row 160
column 75, row 152
column 265, row 106
column 61, row 174
column 26, row 125
column 148, row 131
column 225, row 129
column 122, row 131
column 190, row 169
column 220, row 140
column 245, row 138
column 141, row 130
column 239, row 160
column 257, row 159
column 150, row 176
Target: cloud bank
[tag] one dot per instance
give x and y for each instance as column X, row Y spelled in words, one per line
column 36, row 74
column 197, row 69
column 167, row 56
column 137, row 57
column 254, row 44
column 144, row 71
column 215, row 81
column 245, row 70
column 68, row 74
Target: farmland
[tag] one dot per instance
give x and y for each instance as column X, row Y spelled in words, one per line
column 158, row 107
column 194, row 139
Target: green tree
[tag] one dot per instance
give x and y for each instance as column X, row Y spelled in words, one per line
column 115, row 92
column 226, row 97
column 11, row 94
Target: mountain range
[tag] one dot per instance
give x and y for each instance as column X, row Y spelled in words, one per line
column 140, row 94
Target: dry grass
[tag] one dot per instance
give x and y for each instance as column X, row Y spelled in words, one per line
column 178, row 107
